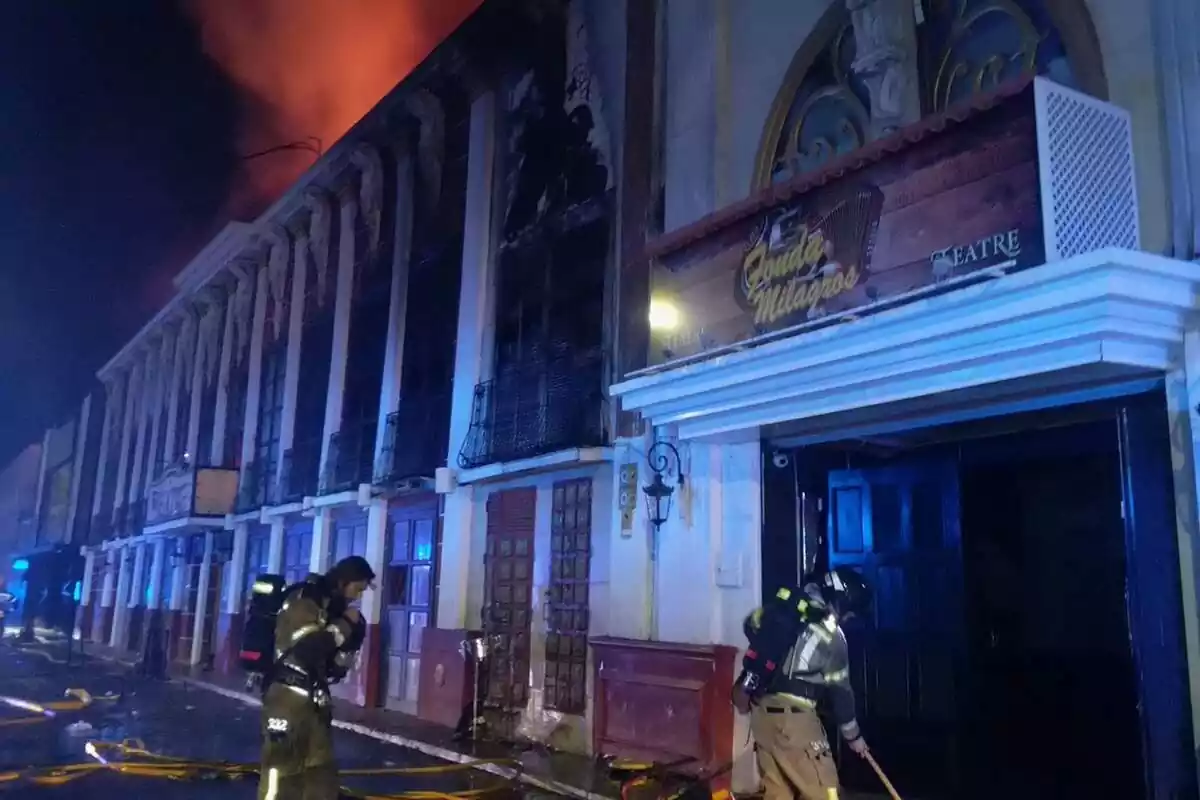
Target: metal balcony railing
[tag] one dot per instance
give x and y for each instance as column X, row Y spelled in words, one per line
column 252, row 488
column 348, row 462
column 297, row 473
column 535, row 409
column 414, row 441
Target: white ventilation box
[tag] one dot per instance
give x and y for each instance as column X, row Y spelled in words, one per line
column 1086, row 172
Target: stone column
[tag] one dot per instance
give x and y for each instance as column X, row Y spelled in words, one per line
column 85, row 588
column 342, row 306
column 885, row 37
column 137, row 591
column 158, row 563
column 1178, row 55
column 472, row 357
column 107, row 594
column 393, row 357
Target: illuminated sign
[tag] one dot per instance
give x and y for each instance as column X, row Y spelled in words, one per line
column 20, row 565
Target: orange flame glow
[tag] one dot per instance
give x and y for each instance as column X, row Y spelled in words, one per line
column 313, row 68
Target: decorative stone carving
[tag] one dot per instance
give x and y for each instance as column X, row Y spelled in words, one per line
column 320, row 227
column 277, row 278
column 431, row 137
column 885, row 41
column 370, row 192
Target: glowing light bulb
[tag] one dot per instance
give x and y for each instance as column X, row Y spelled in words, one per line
column 664, row 316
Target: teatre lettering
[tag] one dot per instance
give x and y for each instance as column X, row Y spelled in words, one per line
column 1006, row 244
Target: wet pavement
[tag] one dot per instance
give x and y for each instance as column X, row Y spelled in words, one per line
column 175, row 719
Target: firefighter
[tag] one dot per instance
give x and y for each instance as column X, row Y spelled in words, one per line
column 316, row 637
column 793, row 751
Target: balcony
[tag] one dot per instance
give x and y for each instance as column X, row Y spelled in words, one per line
column 183, row 492
column 252, row 488
column 297, row 473
column 414, row 441
column 348, row 463
column 537, row 409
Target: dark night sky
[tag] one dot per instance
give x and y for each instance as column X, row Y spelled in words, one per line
column 116, row 156
column 119, row 155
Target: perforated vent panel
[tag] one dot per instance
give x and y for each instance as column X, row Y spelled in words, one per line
column 1085, row 155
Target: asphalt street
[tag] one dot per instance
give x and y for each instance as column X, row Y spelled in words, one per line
column 173, row 719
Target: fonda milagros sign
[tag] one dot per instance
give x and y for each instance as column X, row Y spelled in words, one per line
column 955, row 201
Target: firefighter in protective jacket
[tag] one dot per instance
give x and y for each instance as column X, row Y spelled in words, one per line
column 316, row 638
column 794, row 755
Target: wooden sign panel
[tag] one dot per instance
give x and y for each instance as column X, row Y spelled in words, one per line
column 955, row 201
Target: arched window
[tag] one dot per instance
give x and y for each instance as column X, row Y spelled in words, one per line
column 963, row 47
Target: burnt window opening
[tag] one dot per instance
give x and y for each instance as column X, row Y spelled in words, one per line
column 270, row 412
column 183, row 418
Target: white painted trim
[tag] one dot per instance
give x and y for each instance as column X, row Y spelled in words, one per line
column 270, row 512
column 185, row 522
column 526, row 466
column 1108, row 314
column 348, row 497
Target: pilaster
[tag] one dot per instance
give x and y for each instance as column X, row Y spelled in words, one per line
column 133, row 392
column 158, row 564
column 393, row 357
column 89, row 566
column 318, row 557
column 137, row 592
column 275, row 547
column 254, row 380
column 201, row 615
column 145, row 410
column 217, row 455
column 121, row 601
column 81, row 438
column 472, row 357
column 1177, row 51
column 111, row 410
column 342, row 306
column 236, row 571
column 295, row 341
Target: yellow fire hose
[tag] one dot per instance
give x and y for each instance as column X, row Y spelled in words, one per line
column 114, row 757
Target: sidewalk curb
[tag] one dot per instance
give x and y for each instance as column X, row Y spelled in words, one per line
column 443, row 753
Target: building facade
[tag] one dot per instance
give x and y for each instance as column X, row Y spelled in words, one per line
column 588, row 339
column 43, row 531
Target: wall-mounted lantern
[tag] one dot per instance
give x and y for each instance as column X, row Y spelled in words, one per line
column 658, row 492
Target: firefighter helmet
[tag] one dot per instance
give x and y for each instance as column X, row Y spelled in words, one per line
column 846, row 590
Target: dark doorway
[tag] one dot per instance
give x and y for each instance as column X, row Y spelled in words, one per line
column 1050, row 696
column 1026, row 639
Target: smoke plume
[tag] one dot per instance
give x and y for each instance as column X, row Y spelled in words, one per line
column 309, row 69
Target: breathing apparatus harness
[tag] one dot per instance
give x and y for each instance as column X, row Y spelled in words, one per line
column 772, row 631
column 265, row 663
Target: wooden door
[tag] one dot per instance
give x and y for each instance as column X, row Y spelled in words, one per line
column 899, row 527
column 567, row 597
column 507, row 603
column 408, row 591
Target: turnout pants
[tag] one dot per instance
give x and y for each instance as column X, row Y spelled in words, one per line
column 793, row 753
column 297, row 749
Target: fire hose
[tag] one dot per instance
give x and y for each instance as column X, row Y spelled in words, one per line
column 131, row 757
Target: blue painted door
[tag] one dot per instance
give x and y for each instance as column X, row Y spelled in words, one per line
column 899, row 526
